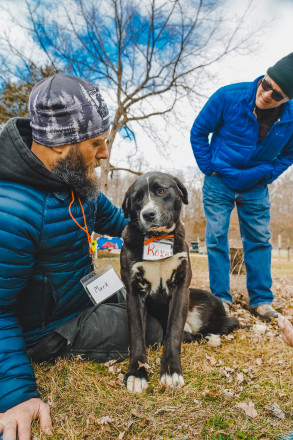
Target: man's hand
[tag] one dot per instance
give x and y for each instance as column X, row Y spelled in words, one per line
column 287, row 329
column 17, row 420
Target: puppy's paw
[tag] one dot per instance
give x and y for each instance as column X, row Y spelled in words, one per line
column 213, row 340
column 174, row 380
column 136, row 384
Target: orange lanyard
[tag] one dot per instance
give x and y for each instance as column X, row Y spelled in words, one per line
column 85, row 229
column 157, row 238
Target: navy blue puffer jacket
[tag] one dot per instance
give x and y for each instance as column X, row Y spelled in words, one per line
column 234, row 151
column 43, row 256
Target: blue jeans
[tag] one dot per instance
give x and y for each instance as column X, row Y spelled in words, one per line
column 253, row 209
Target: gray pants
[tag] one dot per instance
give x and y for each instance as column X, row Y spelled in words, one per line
column 100, row 333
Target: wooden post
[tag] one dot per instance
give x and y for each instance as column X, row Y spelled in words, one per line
column 288, row 248
column 279, row 245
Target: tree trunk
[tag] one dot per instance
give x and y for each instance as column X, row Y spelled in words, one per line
column 105, row 165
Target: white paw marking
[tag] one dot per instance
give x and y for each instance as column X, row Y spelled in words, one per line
column 213, row 340
column 176, row 380
column 136, row 385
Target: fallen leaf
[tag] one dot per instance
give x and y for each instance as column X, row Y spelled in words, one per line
column 258, row 361
column 276, row 411
column 212, row 360
column 143, row 418
column 229, row 337
column 120, row 378
column 240, row 377
column 109, row 363
column 212, row 394
column 113, row 384
column 228, row 393
column 229, row 370
column 105, row 420
column 248, row 409
column 259, row 329
column 145, row 365
column 103, row 423
column 165, row 409
column 197, row 402
column 135, row 413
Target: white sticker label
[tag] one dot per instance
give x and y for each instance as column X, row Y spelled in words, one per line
column 157, row 250
column 104, row 286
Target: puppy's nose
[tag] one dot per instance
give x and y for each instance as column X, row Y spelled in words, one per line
column 149, row 215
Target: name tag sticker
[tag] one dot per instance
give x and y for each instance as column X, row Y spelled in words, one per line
column 102, row 285
column 158, row 250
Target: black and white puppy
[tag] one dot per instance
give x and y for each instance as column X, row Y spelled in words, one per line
column 153, row 203
column 156, row 271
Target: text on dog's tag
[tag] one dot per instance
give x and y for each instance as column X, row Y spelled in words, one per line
column 157, row 250
column 102, row 286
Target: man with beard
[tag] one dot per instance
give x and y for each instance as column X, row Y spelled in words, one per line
column 49, row 205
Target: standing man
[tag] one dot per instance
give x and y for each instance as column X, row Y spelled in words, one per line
column 49, row 205
column 251, row 145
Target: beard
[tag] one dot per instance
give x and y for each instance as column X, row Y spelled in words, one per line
column 79, row 177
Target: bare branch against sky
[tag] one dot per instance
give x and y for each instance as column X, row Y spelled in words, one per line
column 148, row 56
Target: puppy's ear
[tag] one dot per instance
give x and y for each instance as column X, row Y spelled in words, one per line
column 182, row 190
column 126, row 204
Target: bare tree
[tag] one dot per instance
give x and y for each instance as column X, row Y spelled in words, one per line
column 282, row 207
column 14, row 96
column 148, row 54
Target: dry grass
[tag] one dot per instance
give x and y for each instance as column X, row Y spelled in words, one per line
column 89, row 401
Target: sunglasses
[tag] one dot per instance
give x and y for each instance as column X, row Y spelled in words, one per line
column 267, row 86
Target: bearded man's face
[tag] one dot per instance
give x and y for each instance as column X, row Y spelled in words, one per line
column 77, row 168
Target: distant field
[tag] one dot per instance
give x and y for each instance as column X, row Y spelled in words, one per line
column 200, row 264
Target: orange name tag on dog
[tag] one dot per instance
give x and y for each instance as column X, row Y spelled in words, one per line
column 158, row 250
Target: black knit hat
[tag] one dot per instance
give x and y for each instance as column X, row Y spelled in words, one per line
column 66, row 109
column 282, row 74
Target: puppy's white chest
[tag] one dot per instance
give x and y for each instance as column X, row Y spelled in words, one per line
column 154, row 275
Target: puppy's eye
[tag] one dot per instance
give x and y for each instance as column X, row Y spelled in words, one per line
column 161, row 191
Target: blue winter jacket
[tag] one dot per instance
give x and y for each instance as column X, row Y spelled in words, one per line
column 43, row 256
column 233, row 150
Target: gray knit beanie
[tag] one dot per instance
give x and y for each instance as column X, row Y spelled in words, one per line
column 282, row 74
column 66, row 109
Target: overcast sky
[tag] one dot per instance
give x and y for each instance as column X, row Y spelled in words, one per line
column 275, row 40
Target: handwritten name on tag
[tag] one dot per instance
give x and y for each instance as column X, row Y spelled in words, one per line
column 157, row 250
column 104, row 286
